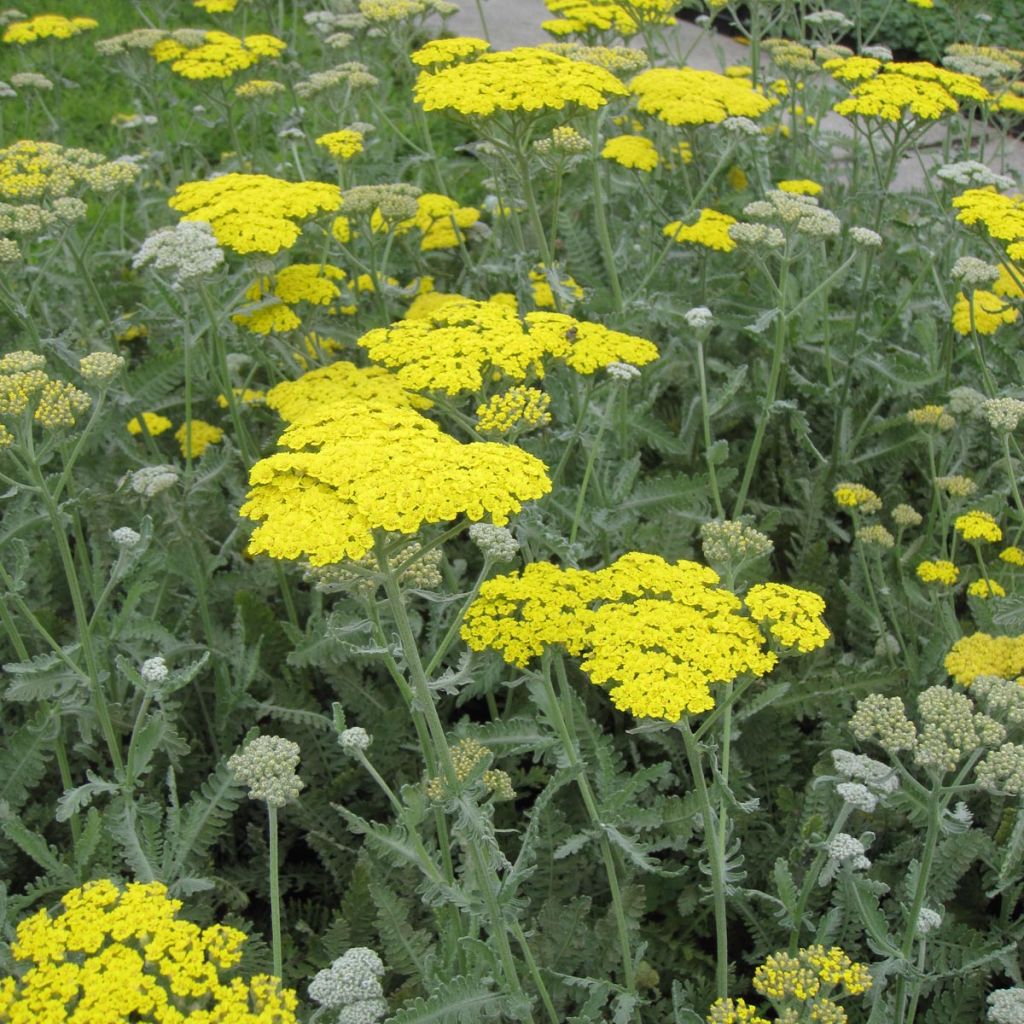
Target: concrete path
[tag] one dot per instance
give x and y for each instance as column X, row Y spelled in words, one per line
column 517, row 23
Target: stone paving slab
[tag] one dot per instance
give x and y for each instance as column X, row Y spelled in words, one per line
column 517, row 23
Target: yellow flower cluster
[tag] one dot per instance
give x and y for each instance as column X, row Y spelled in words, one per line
column 634, row 151
column 203, row 435
column 256, row 87
column 153, row 423
column 219, row 55
column 903, row 89
column 1001, row 216
column 46, row 26
column 116, row 955
column 931, row 416
column 300, row 282
column 57, row 403
column 978, row 525
column 216, row 6
column 360, row 457
column 985, row 589
column 711, row 230
column 543, row 296
column 850, row 495
column 734, row 1011
column 983, row 655
column 684, row 96
column 810, row 974
column 447, row 51
column 659, row 632
column 938, row 571
column 254, row 212
column 452, row 347
column 36, row 170
column 624, row 19
column 1012, row 556
column 525, row 79
column 439, row 219
column 792, row 616
column 800, row 186
column 518, row 407
column 985, row 312
column 342, row 145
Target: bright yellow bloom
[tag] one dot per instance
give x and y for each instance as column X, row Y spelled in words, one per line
column 625, row 19
column 46, row 26
column 516, row 409
column 216, row 6
column 900, row 89
column 1001, row 216
column 220, row 54
column 634, row 151
column 809, row 975
column 447, row 51
column 800, row 186
column 155, row 424
column 118, row 955
column 342, row 145
column 939, row 571
column 983, row 655
column 256, row 87
column 440, row 220
column 526, row 79
column 660, row 633
column 711, row 230
column 203, row 435
column 360, row 457
column 792, row 617
column 978, row 525
column 543, row 296
column 986, row 589
column 247, row 396
column 1012, row 556
column 254, row 212
column 680, row 96
column 984, row 312
column 734, row 1011
column 451, row 348
column 31, row 170
column 850, row 495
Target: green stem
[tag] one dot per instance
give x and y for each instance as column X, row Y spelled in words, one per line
column 715, row 860
column 275, row 891
column 705, row 415
column 587, row 473
column 603, row 235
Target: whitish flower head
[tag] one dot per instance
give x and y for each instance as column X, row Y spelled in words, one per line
column 726, row 541
column 965, row 400
column 10, row 251
column 948, row 729
column 1002, row 698
column 31, row 80
column 100, row 367
column 189, row 249
column 494, row 542
column 125, row 537
column 843, row 850
column 740, row 126
column 1006, row 1006
column 151, row 480
column 879, row 776
column 857, row 795
column 267, row 766
column 974, row 174
column 699, row 317
column 354, row 739
column 1003, row 414
column 623, row 371
column 882, row 53
column 758, row 235
column 974, row 273
column 351, row 979
column 904, row 515
column 21, row 361
column 829, row 19
column 927, row 921
column 366, row 1011
column 153, row 670
column 866, row 237
column 1002, row 770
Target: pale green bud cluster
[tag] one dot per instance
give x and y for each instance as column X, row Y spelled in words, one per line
column 877, row 535
column 395, row 202
column 494, row 542
column 950, row 729
column 1002, row 698
column 267, row 766
column 904, row 515
column 351, row 985
column 1002, row 770
column 727, row 541
column 151, row 480
column 974, row 273
column 99, row 367
column 884, row 720
column 1003, row 414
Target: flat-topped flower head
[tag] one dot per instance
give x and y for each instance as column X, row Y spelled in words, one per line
column 659, row 633
column 710, row 230
column 267, row 766
column 524, row 80
column 359, row 457
column 685, row 96
column 118, row 954
column 585, row 17
column 219, row 55
column 46, row 26
column 633, row 151
column 254, row 212
column 856, row 496
column 31, row 170
column 1002, row 217
column 454, row 346
column 978, row 525
column 981, row 654
column 892, row 92
column 439, row 52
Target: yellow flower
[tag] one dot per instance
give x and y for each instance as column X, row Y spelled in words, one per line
column 32, row 170
column 440, row 220
column 800, row 186
column 1001, row 216
column 660, row 633
column 634, row 151
column 46, row 26
column 983, row 655
column 518, row 407
column 850, row 495
column 203, row 435
column 155, row 424
column 1012, row 556
column 220, row 54
column 342, row 145
column 526, row 79
column 939, row 571
column 452, row 347
column 711, row 230
column 931, row 416
column 681, row 96
column 623, row 17
column 124, row 954
column 543, row 296
column 359, row 456
column 984, row 312
column 447, row 51
column 978, row 525
column 986, row 589
column 254, row 212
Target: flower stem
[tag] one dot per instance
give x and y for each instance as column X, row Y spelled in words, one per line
column 275, row 891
